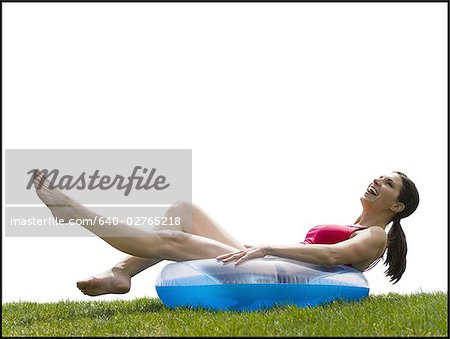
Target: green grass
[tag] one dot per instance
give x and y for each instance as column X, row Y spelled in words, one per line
column 423, row 314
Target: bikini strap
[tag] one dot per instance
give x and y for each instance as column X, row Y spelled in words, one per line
column 373, row 264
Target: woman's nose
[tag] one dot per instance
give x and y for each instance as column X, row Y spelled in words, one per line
column 376, row 182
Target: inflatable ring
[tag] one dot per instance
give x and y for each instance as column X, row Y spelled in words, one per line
column 257, row 284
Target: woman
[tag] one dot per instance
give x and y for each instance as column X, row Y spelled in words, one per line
column 389, row 198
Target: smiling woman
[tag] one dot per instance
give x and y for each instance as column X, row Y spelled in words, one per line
column 388, row 199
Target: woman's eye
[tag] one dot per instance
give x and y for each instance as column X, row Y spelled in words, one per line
column 389, row 184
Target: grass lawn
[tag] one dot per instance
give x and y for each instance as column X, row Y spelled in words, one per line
column 423, row 314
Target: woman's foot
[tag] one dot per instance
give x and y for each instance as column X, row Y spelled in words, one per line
column 62, row 207
column 114, row 281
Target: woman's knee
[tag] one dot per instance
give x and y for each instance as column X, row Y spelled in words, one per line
column 181, row 210
column 177, row 218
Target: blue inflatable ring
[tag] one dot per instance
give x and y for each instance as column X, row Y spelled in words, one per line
column 257, row 284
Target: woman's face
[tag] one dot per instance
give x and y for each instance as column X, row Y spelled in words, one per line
column 382, row 193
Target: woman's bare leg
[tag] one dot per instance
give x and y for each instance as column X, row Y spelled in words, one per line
column 170, row 245
column 154, row 246
column 201, row 225
column 117, row 279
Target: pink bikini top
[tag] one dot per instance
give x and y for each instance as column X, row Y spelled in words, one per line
column 332, row 234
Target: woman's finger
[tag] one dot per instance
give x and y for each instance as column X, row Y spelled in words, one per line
column 224, row 256
column 233, row 257
column 241, row 259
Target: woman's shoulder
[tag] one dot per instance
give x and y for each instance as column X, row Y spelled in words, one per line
column 377, row 233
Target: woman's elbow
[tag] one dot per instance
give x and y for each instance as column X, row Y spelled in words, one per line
column 332, row 258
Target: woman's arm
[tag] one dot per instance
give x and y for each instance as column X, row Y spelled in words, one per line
column 315, row 254
column 365, row 245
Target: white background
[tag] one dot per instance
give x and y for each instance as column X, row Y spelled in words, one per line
column 290, row 109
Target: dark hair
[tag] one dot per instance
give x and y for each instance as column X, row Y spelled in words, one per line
column 396, row 243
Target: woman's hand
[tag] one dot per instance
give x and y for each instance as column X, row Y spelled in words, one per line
column 240, row 256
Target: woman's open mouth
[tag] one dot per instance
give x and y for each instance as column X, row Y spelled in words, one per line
column 371, row 190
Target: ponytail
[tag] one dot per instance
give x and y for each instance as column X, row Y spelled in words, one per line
column 396, row 252
column 396, row 242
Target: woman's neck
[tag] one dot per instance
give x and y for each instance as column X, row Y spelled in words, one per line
column 370, row 219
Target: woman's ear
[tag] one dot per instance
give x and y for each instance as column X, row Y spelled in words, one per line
column 397, row 207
